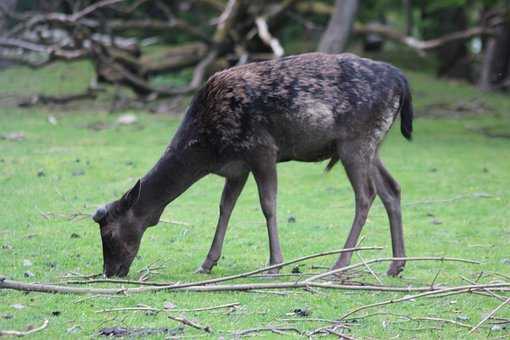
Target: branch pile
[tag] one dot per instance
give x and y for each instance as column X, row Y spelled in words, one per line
column 494, row 289
column 113, row 34
column 205, row 35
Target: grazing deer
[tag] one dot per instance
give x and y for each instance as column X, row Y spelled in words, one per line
column 309, row 108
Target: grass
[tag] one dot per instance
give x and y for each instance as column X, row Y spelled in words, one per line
column 456, row 199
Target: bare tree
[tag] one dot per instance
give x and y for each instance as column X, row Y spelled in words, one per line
column 408, row 12
column 495, row 68
column 339, row 28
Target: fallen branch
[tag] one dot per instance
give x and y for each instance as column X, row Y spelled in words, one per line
column 202, row 309
column 276, row 330
column 119, row 281
column 58, row 100
column 175, row 222
column 24, row 333
column 429, row 318
column 190, row 323
column 488, row 316
column 152, row 309
column 488, row 291
column 388, row 259
column 458, row 289
column 370, row 269
column 194, row 287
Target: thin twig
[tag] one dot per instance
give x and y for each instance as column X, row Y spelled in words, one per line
column 201, row 309
column 429, row 318
column 130, row 309
column 175, row 222
column 387, row 259
column 499, row 297
column 488, row 316
column 24, row 333
column 424, row 294
column 190, row 323
column 369, row 269
column 126, row 282
column 277, row 330
column 265, row 269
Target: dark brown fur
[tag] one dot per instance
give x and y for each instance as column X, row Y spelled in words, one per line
column 308, row 107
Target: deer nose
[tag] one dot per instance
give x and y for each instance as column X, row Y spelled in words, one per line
column 99, row 214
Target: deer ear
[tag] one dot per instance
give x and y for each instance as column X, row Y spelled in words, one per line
column 130, row 197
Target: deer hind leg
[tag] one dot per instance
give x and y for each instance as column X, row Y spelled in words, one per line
column 263, row 166
column 389, row 191
column 357, row 158
column 231, row 192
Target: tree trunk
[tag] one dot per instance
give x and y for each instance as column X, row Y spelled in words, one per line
column 8, row 6
column 408, row 11
column 335, row 38
column 496, row 60
column 453, row 60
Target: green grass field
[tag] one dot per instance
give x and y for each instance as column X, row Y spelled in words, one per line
column 456, row 202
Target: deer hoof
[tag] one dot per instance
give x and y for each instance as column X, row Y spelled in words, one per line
column 396, row 268
column 202, row 270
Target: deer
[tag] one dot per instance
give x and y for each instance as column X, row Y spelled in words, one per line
column 246, row 119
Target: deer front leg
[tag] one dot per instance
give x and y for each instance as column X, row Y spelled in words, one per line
column 231, row 192
column 264, row 171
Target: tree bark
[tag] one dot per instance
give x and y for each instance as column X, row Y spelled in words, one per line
column 408, row 11
column 453, row 60
column 334, row 39
column 496, row 60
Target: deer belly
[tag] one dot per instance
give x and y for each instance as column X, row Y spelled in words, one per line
column 309, row 135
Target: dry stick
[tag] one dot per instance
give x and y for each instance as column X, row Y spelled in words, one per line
column 309, row 320
column 89, row 276
column 258, row 271
column 201, row 309
column 277, row 330
column 339, row 335
column 435, row 278
column 45, row 288
column 499, row 297
column 127, row 309
column 48, row 288
column 370, row 269
column 387, row 259
column 282, row 293
column 427, row 318
column 190, row 323
column 500, row 275
column 429, row 293
column 419, row 318
column 488, row 316
column 24, row 333
column 127, row 282
column 152, row 309
column 254, row 272
column 327, row 329
column 175, row 222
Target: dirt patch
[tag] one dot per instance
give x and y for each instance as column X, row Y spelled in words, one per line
column 473, row 107
column 492, row 132
column 140, row 332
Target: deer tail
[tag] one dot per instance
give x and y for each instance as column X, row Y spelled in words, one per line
column 406, row 110
column 334, row 159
